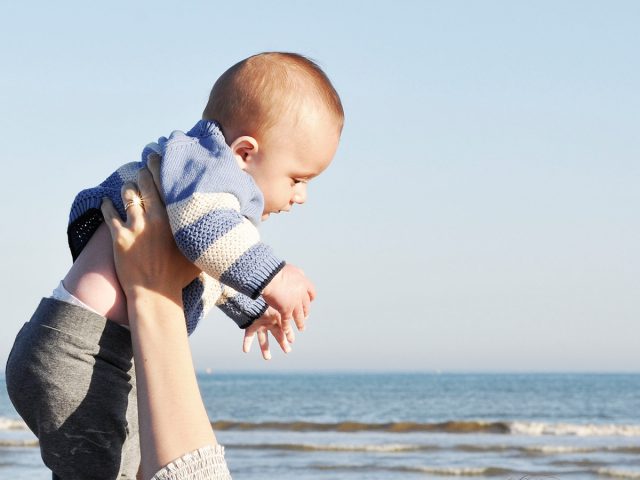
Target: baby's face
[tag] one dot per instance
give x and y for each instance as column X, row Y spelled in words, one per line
column 290, row 157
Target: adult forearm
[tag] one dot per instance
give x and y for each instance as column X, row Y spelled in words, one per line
column 173, row 419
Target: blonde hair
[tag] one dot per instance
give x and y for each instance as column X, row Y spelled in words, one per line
column 251, row 96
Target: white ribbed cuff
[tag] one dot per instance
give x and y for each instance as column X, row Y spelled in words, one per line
column 206, row 463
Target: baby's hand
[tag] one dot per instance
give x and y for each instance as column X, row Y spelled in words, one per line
column 291, row 294
column 268, row 322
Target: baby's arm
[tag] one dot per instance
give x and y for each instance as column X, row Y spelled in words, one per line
column 254, row 317
column 206, row 199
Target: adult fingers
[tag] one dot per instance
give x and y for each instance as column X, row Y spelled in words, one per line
column 111, row 217
column 263, row 341
column 153, row 164
column 132, row 202
column 148, row 191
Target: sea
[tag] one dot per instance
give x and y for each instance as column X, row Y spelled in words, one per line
column 396, row 426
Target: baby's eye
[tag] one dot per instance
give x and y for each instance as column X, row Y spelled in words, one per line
column 297, row 180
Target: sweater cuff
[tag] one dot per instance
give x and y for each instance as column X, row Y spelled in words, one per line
column 251, row 273
column 262, row 277
column 206, row 463
column 242, row 310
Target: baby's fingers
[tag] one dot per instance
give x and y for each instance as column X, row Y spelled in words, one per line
column 306, row 307
column 263, row 341
column 311, row 291
column 249, row 335
column 298, row 317
column 285, row 324
column 288, row 332
column 280, row 337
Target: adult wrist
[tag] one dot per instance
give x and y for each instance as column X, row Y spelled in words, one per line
column 144, row 296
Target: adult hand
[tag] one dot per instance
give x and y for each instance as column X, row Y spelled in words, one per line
column 152, row 272
column 145, row 253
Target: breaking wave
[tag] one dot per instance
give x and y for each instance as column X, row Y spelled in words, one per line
column 12, row 424
column 617, row 473
column 444, row 471
column 18, row 443
column 514, row 428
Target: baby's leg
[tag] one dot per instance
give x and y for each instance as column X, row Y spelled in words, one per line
column 70, row 376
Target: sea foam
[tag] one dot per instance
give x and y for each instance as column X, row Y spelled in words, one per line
column 574, row 429
column 12, row 424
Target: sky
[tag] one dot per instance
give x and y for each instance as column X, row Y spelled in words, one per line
column 481, row 213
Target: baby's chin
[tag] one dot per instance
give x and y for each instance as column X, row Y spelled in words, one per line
column 265, row 216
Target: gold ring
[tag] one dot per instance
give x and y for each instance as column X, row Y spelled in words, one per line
column 134, row 202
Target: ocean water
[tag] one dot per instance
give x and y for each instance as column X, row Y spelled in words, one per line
column 405, row 426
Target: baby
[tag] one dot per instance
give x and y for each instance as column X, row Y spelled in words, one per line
column 272, row 123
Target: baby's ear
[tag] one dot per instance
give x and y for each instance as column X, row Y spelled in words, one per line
column 244, row 149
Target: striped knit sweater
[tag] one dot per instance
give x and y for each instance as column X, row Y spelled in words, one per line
column 214, row 208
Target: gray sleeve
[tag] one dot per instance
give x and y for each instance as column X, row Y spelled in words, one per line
column 206, row 463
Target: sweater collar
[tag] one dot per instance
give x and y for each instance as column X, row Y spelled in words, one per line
column 206, row 128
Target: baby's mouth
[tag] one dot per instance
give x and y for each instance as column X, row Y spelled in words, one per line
column 266, row 215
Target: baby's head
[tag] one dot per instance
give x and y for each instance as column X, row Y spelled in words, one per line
column 282, row 119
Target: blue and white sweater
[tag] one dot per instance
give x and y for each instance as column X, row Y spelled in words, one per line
column 214, row 208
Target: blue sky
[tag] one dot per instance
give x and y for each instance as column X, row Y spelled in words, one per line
column 481, row 212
